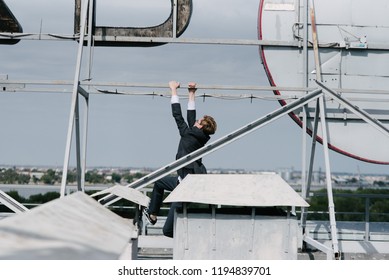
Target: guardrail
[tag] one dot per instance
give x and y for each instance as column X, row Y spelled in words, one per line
column 363, row 226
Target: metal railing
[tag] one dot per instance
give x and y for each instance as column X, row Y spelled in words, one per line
column 367, row 218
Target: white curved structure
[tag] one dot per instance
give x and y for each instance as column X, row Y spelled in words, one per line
column 353, row 40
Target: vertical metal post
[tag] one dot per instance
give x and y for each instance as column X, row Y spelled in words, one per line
column 174, row 19
column 74, row 98
column 252, row 237
column 313, row 145
column 315, row 42
column 186, row 225
column 84, row 144
column 213, row 227
column 310, row 169
column 304, row 190
column 86, row 106
column 78, row 148
column 287, row 231
column 331, row 206
column 367, row 219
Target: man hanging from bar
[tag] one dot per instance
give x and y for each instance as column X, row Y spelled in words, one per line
column 194, row 135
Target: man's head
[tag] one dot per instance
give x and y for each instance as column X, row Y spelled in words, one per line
column 207, row 124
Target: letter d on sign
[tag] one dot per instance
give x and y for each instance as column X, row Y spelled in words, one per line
column 115, row 36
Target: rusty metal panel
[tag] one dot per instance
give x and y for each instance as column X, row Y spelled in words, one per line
column 8, row 23
column 105, row 35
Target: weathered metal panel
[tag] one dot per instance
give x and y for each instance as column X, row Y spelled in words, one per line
column 126, row 193
column 253, row 228
column 237, row 190
column 105, row 35
column 235, row 237
column 73, row 227
column 346, row 32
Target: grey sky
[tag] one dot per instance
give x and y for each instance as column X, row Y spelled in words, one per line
column 139, row 131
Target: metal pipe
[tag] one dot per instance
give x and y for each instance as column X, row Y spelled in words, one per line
column 74, row 99
column 331, row 206
column 174, row 35
column 356, row 110
column 78, row 147
column 164, row 86
column 367, row 219
column 130, row 39
column 304, row 190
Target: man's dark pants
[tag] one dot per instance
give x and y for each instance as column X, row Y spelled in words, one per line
column 160, row 186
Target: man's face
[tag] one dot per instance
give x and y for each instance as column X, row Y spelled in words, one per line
column 198, row 123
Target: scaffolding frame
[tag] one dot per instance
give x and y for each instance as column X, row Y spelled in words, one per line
column 307, row 95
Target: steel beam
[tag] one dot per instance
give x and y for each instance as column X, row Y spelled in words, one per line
column 11, row 203
column 74, row 104
column 194, row 41
column 355, row 109
column 4, row 82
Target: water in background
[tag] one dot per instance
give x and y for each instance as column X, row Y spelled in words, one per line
column 27, row 190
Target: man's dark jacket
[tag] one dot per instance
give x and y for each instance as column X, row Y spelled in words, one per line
column 192, row 138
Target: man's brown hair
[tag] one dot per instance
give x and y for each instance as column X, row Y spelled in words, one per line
column 209, row 125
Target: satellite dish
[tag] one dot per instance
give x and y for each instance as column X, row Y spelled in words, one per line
column 353, row 53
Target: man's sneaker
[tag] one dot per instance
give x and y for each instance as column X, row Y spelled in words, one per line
column 147, row 214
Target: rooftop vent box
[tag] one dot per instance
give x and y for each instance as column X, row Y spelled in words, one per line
column 235, row 217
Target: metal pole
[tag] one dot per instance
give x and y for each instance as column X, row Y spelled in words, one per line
column 86, row 105
column 356, row 110
column 383, row 93
column 367, row 219
column 74, row 99
column 174, row 3
column 331, row 206
column 310, row 170
column 11, row 203
column 78, row 147
column 315, row 42
column 304, row 190
column 313, row 145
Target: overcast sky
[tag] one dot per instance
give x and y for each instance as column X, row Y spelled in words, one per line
column 131, row 131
